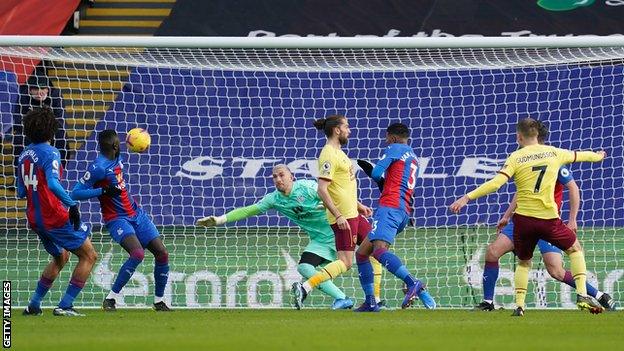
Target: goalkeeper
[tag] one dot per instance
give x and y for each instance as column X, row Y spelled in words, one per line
column 299, row 202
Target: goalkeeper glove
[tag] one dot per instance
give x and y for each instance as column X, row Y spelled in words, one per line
column 211, row 221
column 367, row 167
column 111, row 191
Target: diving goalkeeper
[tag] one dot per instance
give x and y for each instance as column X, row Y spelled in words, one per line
column 298, row 201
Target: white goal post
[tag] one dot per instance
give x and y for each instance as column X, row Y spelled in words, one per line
column 222, row 111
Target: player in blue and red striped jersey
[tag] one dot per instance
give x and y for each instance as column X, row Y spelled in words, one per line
column 59, row 230
column 126, row 222
column 397, row 171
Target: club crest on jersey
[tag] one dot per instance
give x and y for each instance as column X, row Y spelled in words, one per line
column 325, row 167
column 300, row 199
column 120, row 180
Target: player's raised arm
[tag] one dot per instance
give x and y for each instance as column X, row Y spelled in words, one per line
column 488, row 187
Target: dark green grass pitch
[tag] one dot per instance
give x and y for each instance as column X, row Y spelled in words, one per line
column 319, row 330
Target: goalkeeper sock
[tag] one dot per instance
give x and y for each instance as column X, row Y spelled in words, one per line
column 377, row 271
column 331, row 271
column 161, row 274
column 394, row 265
column 490, row 275
column 591, row 290
column 579, row 271
column 307, row 270
column 367, row 277
column 74, row 288
column 521, row 282
column 43, row 285
column 127, row 270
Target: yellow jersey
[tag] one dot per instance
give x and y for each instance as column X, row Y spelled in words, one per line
column 534, row 169
column 336, row 167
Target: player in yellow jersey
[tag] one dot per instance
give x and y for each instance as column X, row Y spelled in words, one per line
column 337, row 188
column 534, row 168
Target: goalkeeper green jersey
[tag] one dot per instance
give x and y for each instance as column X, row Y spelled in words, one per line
column 302, row 206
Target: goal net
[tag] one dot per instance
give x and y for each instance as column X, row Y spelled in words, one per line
column 221, row 117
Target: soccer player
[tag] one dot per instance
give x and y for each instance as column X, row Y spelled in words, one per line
column 59, row 230
column 551, row 255
column 534, row 168
column 398, row 168
column 337, row 188
column 298, row 201
column 126, row 222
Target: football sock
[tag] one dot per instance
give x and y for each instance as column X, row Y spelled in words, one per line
column 591, row 290
column 394, row 265
column 577, row 265
column 366, row 275
column 74, row 288
column 161, row 274
column 127, row 270
column 490, row 275
column 43, row 285
column 307, row 270
column 377, row 271
column 521, row 282
column 331, row 271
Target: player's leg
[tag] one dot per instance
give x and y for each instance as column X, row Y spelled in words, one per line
column 161, row 273
column 49, row 274
column 307, row 267
column 364, row 228
column 366, row 276
column 86, row 260
column 150, row 238
column 388, row 223
column 495, row 250
column 553, row 261
column 135, row 251
column 524, row 240
column 557, row 233
column 345, row 246
column 551, row 255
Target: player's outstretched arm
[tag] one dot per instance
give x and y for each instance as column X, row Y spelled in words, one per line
column 589, row 156
column 490, row 186
column 232, row 216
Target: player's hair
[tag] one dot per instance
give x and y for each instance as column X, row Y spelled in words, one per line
column 398, row 129
column 106, row 139
column 528, row 127
column 328, row 124
column 281, row 166
column 542, row 132
column 40, row 125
